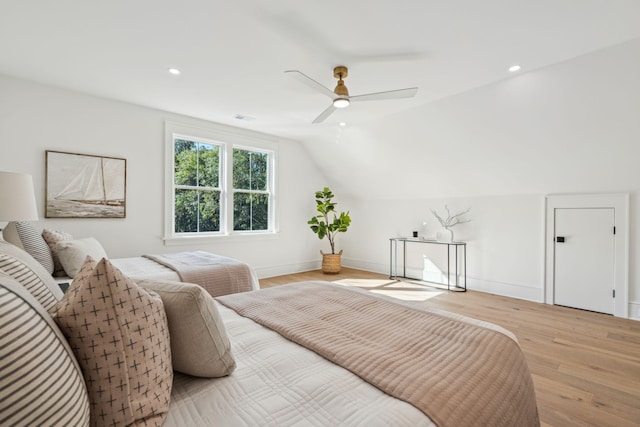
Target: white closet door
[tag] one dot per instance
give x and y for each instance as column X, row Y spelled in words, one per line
column 584, row 258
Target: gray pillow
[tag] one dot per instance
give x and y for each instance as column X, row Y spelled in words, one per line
column 33, row 243
column 199, row 342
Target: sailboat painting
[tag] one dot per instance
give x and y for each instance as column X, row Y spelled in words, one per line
column 85, row 186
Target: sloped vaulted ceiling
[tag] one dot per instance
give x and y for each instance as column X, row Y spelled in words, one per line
column 233, row 56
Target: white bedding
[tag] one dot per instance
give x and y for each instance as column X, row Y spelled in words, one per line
column 140, row 267
column 217, row 274
column 279, row 383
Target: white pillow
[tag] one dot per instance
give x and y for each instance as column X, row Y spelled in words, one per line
column 199, row 342
column 52, row 237
column 72, row 253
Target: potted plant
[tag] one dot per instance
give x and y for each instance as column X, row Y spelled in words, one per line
column 327, row 223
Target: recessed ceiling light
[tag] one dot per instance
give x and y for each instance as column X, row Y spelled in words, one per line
column 514, row 68
column 174, row 71
column 343, row 124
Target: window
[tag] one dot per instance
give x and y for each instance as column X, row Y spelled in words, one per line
column 219, row 183
column 197, row 186
column 250, row 190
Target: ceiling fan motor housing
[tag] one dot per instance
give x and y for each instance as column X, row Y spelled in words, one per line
column 340, row 72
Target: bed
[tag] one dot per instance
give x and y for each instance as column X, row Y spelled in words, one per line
column 354, row 377
column 280, row 383
column 62, row 256
column 217, row 274
column 320, row 354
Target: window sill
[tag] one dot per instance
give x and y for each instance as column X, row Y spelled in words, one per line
column 217, row 238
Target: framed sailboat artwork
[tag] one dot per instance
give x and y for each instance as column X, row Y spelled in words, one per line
column 85, row 186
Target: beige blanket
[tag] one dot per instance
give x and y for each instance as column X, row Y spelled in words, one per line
column 217, row 274
column 457, row 373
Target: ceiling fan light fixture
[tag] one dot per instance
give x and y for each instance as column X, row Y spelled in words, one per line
column 341, row 102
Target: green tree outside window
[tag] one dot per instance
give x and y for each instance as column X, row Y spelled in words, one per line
column 197, row 186
column 250, row 190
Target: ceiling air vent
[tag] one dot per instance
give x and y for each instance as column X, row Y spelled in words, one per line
column 244, row 118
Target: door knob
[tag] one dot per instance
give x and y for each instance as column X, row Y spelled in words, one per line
column 560, row 239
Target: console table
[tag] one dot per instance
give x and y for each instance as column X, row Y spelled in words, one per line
column 450, row 246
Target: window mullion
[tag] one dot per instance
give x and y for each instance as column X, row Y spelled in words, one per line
column 227, row 194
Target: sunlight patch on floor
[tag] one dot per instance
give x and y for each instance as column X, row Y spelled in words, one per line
column 406, row 295
column 407, row 285
column 406, row 291
column 364, row 283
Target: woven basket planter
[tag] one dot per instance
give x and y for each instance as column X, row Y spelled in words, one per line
column 331, row 263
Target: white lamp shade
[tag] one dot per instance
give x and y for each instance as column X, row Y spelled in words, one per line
column 17, row 197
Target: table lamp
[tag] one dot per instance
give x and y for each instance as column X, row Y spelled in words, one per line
column 17, row 197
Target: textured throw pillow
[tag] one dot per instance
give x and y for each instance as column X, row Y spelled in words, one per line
column 29, row 273
column 34, row 244
column 72, row 253
column 199, row 342
column 41, row 382
column 118, row 332
column 52, row 237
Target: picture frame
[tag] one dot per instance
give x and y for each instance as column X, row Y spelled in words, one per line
column 85, row 186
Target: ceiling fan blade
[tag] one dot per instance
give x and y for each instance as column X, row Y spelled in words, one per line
column 303, row 78
column 391, row 94
column 326, row 113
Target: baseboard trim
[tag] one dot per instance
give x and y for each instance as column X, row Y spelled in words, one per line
column 512, row 290
column 634, row 310
column 365, row 265
column 282, row 269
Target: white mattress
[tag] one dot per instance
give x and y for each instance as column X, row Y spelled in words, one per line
column 141, row 267
column 279, row 383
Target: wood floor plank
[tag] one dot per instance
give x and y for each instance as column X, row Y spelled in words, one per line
column 585, row 365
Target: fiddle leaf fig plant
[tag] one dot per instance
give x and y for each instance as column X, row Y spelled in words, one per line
column 328, row 222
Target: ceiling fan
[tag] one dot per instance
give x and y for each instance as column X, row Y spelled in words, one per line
column 340, row 95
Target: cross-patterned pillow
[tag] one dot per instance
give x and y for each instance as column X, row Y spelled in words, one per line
column 120, row 336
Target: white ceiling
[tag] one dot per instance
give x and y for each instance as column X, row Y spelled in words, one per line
column 233, row 54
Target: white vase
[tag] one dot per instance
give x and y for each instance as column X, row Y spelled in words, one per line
column 445, row 235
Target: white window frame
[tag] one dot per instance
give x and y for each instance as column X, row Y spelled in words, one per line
column 269, row 191
column 227, row 138
column 220, row 188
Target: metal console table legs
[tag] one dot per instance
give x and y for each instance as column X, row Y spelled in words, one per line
column 393, row 261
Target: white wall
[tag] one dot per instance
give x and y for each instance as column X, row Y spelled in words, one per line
column 505, row 239
column 35, row 118
column 570, row 128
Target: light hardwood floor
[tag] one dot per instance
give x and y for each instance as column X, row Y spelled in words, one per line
column 585, row 365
